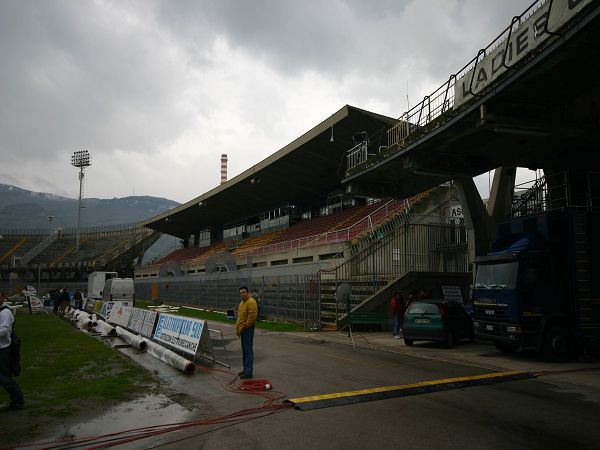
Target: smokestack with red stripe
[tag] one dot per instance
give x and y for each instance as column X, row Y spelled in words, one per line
column 223, row 168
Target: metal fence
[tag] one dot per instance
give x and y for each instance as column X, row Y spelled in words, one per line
column 282, row 295
column 423, row 247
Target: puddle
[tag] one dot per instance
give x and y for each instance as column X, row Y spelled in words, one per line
column 142, row 412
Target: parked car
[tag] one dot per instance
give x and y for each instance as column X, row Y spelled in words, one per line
column 437, row 320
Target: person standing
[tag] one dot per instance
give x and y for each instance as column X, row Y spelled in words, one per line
column 244, row 328
column 65, row 300
column 397, row 311
column 78, row 298
column 6, row 377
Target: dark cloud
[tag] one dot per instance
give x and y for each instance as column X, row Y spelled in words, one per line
column 78, row 77
column 155, row 86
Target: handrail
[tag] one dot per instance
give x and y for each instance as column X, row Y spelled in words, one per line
column 453, row 95
column 331, row 237
column 129, row 227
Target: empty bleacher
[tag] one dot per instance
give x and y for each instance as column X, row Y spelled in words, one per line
column 207, row 253
column 181, row 255
column 247, row 246
column 16, row 245
column 341, row 226
column 333, row 228
column 94, row 246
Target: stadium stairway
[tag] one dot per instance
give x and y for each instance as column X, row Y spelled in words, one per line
column 364, row 288
column 9, row 248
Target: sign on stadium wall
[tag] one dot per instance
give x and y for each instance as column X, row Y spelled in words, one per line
column 182, row 333
column 525, row 37
column 142, row 321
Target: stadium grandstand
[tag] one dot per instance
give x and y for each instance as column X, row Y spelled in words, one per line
column 47, row 258
column 288, row 230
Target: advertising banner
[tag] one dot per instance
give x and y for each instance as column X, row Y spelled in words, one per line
column 107, row 307
column 120, row 315
column 180, row 333
column 142, row 321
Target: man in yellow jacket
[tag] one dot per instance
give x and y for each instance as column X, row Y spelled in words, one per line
column 244, row 328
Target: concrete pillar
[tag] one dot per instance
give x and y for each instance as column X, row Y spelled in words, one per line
column 478, row 221
column 500, row 202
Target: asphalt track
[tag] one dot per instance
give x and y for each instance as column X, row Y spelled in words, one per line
column 455, row 400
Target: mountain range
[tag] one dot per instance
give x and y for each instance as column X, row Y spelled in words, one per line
column 21, row 209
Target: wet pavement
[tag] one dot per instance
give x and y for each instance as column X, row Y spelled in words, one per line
column 303, row 364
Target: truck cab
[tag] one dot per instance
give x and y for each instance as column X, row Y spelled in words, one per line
column 515, row 293
column 527, row 292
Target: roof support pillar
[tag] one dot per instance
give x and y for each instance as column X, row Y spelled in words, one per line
column 478, row 221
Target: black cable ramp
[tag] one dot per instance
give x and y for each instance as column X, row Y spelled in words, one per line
column 422, row 387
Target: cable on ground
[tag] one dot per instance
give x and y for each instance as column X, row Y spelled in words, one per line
column 257, row 387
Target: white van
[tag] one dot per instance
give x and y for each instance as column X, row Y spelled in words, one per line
column 118, row 289
column 96, row 282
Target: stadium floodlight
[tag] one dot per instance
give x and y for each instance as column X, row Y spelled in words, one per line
column 80, row 159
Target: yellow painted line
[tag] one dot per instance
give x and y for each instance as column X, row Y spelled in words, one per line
column 404, row 386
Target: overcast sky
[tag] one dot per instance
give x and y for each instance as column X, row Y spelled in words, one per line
column 157, row 90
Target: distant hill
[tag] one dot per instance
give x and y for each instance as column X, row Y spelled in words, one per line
column 23, row 209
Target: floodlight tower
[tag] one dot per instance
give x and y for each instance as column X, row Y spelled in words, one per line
column 81, row 160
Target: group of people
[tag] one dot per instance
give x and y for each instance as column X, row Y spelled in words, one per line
column 61, row 298
column 398, row 307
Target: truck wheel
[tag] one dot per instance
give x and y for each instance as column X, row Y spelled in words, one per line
column 559, row 344
column 409, row 342
column 506, row 348
column 450, row 341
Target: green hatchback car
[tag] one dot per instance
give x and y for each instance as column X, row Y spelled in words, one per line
column 437, row 320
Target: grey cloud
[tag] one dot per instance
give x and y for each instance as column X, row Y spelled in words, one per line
column 345, row 36
column 75, row 79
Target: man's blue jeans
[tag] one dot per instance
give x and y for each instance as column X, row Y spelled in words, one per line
column 247, row 351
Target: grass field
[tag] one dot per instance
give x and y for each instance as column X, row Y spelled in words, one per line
column 216, row 316
column 64, row 371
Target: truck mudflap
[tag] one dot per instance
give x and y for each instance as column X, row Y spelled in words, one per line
column 505, row 333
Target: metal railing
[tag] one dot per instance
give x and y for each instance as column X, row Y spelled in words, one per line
column 425, row 247
column 330, row 237
column 127, row 227
column 462, row 88
column 554, row 191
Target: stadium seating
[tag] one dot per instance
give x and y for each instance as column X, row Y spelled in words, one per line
column 206, row 253
column 246, row 246
column 17, row 246
column 340, row 226
column 181, row 255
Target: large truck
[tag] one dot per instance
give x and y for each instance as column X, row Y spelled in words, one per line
column 539, row 286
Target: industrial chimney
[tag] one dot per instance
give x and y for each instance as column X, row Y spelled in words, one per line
column 223, row 168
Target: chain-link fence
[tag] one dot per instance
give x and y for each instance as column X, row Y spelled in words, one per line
column 281, row 294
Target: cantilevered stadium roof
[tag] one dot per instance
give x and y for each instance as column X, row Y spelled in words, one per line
column 301, row 173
